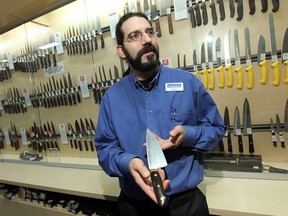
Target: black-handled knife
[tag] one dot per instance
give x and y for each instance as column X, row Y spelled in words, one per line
column 252, row 7
column 198, row 14
column 221, row 9
column 204, row 12
column 239, row 10
column 232, row 8
column 264, row 4
column 275, row 5
column 192, row 15
column 228, row 132
column 213, row 12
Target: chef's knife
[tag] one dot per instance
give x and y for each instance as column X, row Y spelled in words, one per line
column 238, row 67
column 275, row 5
column 239, row 10
column 210, row 61
column 220, row 67
column 213, row 12
column 274, row 57
column 204, row 72
column 192, row 14
column 232, row 8
column 165, row 9
column 286, row 117
column 264, row 5
column 221, row 9
column 227, row 57
column 249, row 67
column 204, row 12
column 285, row 54
column 279, row 131
column 78, row 132
column 99, row 31
column 89, row 133
column 272, row 128
column 261, row 58
column 237, row 129
column 155, row 17
column 84, row 133
column 247, row 127
column 228, row 132
column 252, row 7
column 156, row 160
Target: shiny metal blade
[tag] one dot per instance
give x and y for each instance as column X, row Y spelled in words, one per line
column 247, row 46
column 261, row 55
column 227, row 56
column 154, row 11
column 236, row 125
column 246, row 118
column 98, row 25
column 237, row 48
column 209, row 46
column 226, row 118
column 285, row 46
column 272, row 35
column 278, row 124
column 203, row 56
column 147, row 9
column 218, row 51
column 155, row 156
column 286, row 117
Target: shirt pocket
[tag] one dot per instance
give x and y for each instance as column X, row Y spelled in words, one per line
column 170, row 120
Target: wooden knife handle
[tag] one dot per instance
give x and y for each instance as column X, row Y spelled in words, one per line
column 162, row 199
column 159, row 33
column 170, row 25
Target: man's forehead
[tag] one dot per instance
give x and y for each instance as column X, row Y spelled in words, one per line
column 135, row 23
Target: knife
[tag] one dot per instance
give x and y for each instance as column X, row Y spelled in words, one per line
column 67, row 90
column 247, row 129
column 204, row 72
column 204, row 12
column 165, row 9
column 275, row 5
column 198, row 14
column 78, row 132
column 249, row 67
column 192, row 15
column 228, row 132
column 274, row 139
column 156, row 160
column 147, row 11
column 232, row 8
column 89, row 133
column 49, row 131
column 195, row 65
column 274, row 57
column 54, row 135
column 252, row 7
column 99, row 31
column 221, row 9
column 261, row 58
column 70, row 135
column 237, row 129
column 285, row 54
column 227, row 57
column 62, row 90
column 213, row 12
column 84, row 133
column 286, row 117
column 264, row 4
column 71, row 89
column 73, row 134
column 238, row 67
column 220, row 67
column 279, row 131
column 239, row 10
column 210, row 61
column 155, row 17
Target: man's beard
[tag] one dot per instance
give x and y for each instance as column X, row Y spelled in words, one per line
column 136, row 62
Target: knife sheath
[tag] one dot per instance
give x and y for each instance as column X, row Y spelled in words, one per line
column 162, row 199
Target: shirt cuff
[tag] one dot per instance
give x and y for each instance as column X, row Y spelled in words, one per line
column 190, row 136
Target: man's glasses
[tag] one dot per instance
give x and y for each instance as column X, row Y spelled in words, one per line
column 137, row 35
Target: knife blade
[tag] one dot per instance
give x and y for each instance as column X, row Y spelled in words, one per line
column 237, row 128
column 252, row 7
column 78, row 133
column 261, row 58
column 221, row 9
column 274, row 57
column 147, row 11
column 276, row 5
column 210, row 61
column 155, row 17
column 247, row 127
column 165, row 9
column 279, row 131
column 204, row 12
column 220, row 67
column 195, row 65
column 54, row 136
column 232, row 8
column 156, row 160
column 285, row 54
column 192, row 14
column 264, row 5
column 71, row 89
column 84, row 133
column 70, row 135
column 227, row 57
column 213, row 12
column 286, row 117
column 238, row 67
column 89, row 134
column 239, row 10
column 198, row 13
column 63, row 93
column 99, row 31
column 228, row 132
column 138, row 3
column 65, row 82
column 272, row 128
column 204, row 72
column 249, row 67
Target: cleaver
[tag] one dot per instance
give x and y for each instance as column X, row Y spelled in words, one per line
column 156, row 160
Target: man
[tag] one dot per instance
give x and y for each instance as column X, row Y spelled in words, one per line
column 175, row 106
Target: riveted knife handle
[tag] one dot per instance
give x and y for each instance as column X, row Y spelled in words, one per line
column 286, row 71
column 230, row 75
column 162, row 199
column 274, row 139
column 250, row 72
column 198, row 15
column 204, row 13
column 275, row 5
column 252, row 7
column 251, row 145
column 205, row 78
column 212, row 78
column 282, row 140
column 170, row 25
column 232, row 8
column 264, row 72
column 102, row 41
column 264, row 4
column 220, row 69
column 240, row 143
column 158, row 27
column 221, row 9
column 239, row 10
column 239, row 71
column 213, row 13
column 276, row 72
column 229, row 142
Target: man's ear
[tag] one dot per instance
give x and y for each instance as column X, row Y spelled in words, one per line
column 120, row 52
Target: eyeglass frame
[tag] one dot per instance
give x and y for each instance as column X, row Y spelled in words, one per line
column 129, row 39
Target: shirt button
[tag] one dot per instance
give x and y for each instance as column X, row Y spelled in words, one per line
column 150, row 111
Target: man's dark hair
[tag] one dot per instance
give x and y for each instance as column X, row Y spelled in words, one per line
column 119, row 32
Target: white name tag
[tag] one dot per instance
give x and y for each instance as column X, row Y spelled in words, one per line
column 174, row 86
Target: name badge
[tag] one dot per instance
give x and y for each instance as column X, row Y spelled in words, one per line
column 174, row 87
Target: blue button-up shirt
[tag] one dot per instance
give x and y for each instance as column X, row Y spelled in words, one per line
column 175, row 97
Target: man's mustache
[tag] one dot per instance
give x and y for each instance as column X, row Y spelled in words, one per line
column 147, row 48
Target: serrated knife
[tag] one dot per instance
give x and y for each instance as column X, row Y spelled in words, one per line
column 156, row 160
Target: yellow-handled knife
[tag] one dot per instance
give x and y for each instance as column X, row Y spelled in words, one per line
column 238, row 67
column 227, row 57
column 210, row 61
column 261, row 58
column 249, row 66
column 204, row 72
column 220, row 67
column 195, row 65
column 285, row 54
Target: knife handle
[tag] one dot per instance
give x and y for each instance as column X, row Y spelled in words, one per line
column 213, row 13
column 239, row 10
column 229, row 142
column 86, row 145
column 192, row 16
column 198, row 15
column 282, row 140
column 264, row 4
column 170, row 24
column 80, row 145
column 276, row 72
column 274, row 139
column 196, row 73
column 91, row 145
column 275, row 5
column 286, row 71
column 264, row 72
column 250, row 72
column 252, row 7
column 205, row 78
column 221, row 9
column 162, row 199
column 158, row 28
column 204, row 13
column 212, row 78
column 220, row 69
column 239, row 71
column 232, row 8
column 102, row 41
column 230, row 75
column 240, row 143
column 251, row 145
